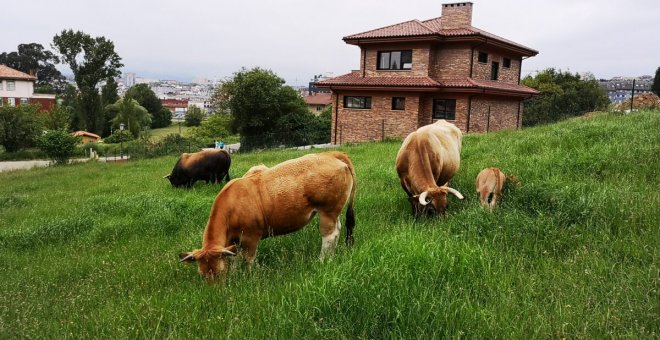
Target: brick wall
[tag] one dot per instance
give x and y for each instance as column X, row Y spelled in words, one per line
column 450, row 61
column 420, row 62
column 503, row 114
column 376, row 124
column 426, row 109
column 483, row 70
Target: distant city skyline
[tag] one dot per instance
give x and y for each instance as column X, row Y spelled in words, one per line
column 298, row 39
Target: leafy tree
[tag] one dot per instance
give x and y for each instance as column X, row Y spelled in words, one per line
column 109, row 96
column 194, row 116
column 33, row 59
column 656, row 82
column 58, row 145
column 91, row 60
column 19, row 126
column 266, row 113
column 58, row 118
column 148, row 99
column 562, row 95
column 216, row 127
column 129, row 112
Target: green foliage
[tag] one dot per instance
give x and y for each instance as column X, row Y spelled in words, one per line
column 32, row 58
column 129, row 112
column 655, row 88
column 194, row 116
column 59, row 145
column 109, row 96
column 216, row 127
column 118, row 136
column 58, row 118
column 91, row 60
column 266, row 113
column 563, row 95
column 162, row 117
column 19, row 126
column 571, row 253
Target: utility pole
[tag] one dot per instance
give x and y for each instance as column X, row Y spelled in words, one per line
column 632, row 96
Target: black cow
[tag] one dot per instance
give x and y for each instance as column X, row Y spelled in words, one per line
column 207, row 165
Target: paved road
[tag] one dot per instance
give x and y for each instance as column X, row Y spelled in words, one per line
column 26, row 165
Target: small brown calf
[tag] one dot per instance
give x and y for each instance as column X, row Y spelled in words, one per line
column 490, row 184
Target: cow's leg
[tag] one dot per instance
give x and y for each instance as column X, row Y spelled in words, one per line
column 330, row 227
column 484, row 198
column 249, row 247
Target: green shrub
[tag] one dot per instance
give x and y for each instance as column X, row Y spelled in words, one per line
column 58, row 145
column 118, row 136
column 194, row 116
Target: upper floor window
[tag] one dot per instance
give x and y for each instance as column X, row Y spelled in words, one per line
column 444, row 109
column 395, row 60
column 354, row 102
column 483, row 57
column 11, row 85
column 398, row 103
column 506, row 62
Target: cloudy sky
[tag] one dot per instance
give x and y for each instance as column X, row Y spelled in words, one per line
column 296, row 39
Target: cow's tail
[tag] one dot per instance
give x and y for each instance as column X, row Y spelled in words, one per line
column 350, row 212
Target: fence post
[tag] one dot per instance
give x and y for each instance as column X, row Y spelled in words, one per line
column 382, row 130
column 341, row 134
column 488, row 121
column 632, row 96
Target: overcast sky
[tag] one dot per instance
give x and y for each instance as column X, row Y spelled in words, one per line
column 296, row 39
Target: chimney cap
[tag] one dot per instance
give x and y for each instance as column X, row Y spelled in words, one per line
column 457, row 4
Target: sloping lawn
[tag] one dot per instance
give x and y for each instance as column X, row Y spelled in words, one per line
column 89, row 251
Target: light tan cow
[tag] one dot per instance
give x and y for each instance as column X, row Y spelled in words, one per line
column 490, row 185
column 427, row 160
column 276, row 201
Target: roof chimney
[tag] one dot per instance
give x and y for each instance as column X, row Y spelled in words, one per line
column 456, row 15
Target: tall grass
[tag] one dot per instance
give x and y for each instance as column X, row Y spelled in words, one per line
column 89, row 250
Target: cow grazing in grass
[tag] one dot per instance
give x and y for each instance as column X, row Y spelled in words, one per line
column 207, row 165
column 490, row 185
column 427, row 160
column 276, row 201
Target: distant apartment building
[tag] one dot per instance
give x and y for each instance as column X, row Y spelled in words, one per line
column 620, row 89
column 130, row 79
column 17, row 88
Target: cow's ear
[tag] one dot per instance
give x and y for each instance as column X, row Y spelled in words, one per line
column 229, row 251
column 187, row 257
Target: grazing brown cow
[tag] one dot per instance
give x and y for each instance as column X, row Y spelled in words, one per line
column 427, row 160
column 490, row 184
column 276, row 201
column 207, row 165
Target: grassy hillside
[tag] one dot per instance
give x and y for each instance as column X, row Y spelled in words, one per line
column 90, row 250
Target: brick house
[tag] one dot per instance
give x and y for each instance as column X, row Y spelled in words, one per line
column 317, row 102
column 415, row 72
column 17, row 88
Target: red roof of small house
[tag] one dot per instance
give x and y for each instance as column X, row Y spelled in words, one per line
column 432, row 28
column 318, row 99
column 7, row 72
column 85, row 134
column 354, row 79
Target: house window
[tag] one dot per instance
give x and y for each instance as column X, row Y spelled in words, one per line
column 506, row 62
column 11, row 101
column 11, row 85
column 319, row 108
column 1, row 82
column 444, row 109
column 24, row 100
column 494, row 70
column 483, row 57
column 353, row 102
column 395, row 60
column 398, row 103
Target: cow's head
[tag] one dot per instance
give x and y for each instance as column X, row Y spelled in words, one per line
column 434, row 201
column 210, row 262
column 176, row 181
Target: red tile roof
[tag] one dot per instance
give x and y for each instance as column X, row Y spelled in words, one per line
column 85, row 133
column 9, row 73
column 431, row 28
column 355, row 79
column 318, row 99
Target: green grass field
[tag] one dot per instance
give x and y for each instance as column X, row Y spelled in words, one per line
column 160, row 133
column 90, row 250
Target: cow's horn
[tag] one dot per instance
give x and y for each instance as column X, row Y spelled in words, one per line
column 455, row 192
column 190, row 257
column 167, row 176
column 422, row 198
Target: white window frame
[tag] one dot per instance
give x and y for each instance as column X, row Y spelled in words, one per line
column 11, row 85
column 24, row 101
column 11, row 101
